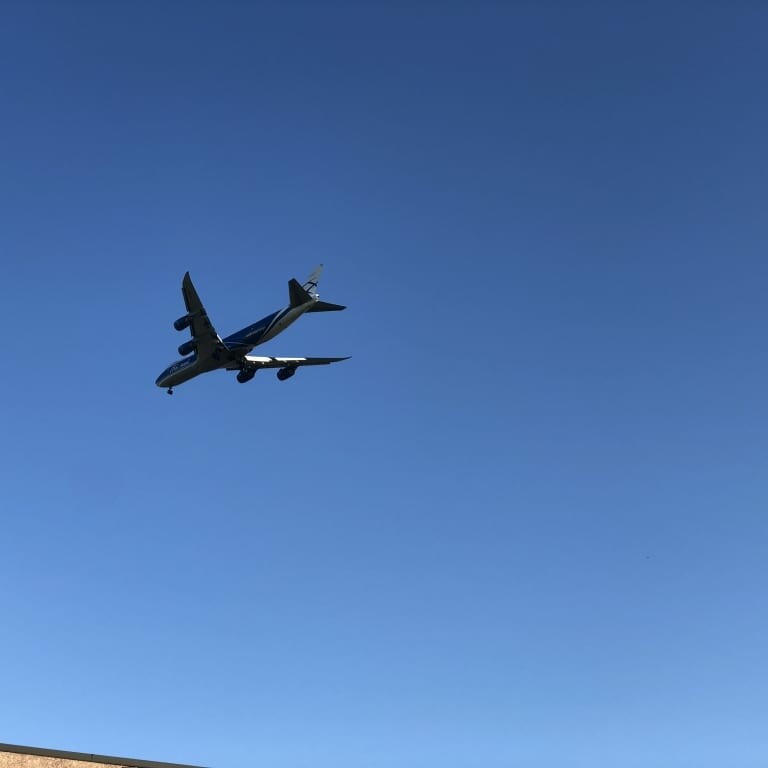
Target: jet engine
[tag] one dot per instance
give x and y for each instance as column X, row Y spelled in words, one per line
column 245, row 375
column 285, row 373
column 187, row 347
column 182, row 323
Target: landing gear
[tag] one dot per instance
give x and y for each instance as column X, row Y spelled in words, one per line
column 170, row 390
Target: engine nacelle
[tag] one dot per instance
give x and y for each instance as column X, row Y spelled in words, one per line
column 187, row 347
column 245, row 375
column 285, row 373
column 182, row 323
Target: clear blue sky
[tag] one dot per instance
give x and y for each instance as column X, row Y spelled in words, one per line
column 525, row 526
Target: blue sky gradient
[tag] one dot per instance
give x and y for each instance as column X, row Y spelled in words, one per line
column 525, row 525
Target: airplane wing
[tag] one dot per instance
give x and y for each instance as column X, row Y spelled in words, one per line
column 256, row 363
column 208, row 342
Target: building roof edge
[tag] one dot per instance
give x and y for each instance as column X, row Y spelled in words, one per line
column 128, row 762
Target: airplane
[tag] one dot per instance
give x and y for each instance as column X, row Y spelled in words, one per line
column 209, row 352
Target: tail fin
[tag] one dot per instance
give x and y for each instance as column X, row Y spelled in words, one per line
column 301, row 294
column 310, row 286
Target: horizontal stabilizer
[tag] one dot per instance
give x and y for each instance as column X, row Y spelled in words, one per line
column 297, row 294
column 325, row 306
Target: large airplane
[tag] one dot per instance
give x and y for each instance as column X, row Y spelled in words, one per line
column 209, row 352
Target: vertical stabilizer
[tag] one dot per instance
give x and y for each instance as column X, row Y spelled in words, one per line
column 310, row 285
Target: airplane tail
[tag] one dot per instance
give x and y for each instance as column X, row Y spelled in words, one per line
column 310, row 285
column 302, row 294
column 325, row 306
column 297, row 294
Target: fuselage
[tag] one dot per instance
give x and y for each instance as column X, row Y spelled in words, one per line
column 237, row 345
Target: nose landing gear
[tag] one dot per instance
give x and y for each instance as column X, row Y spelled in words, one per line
column 170, row 390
